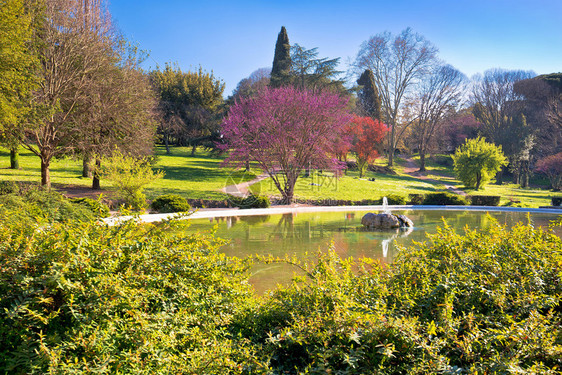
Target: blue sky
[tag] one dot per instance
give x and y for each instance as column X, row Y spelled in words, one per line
column 234, row 38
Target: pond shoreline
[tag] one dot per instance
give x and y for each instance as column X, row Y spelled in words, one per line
column 227, row 212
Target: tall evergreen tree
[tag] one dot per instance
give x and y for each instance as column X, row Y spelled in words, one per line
column 369, row 101
column 281, row 70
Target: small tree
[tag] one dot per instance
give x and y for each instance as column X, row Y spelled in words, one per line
column 551, row 166
column 477, row 161
column 286, row 131
column 130, row 175
column 368, row 137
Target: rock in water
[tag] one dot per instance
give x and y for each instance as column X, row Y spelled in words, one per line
column 385, row 221
column 405, row 221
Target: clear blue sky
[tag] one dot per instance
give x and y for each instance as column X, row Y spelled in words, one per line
column 234, row 38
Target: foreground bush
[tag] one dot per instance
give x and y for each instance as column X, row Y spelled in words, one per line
column 43, row 205
column 444, row 199
column 142, row 299
column 85, row 298
column 170, row 203
column 98, row 208
column 481, row 303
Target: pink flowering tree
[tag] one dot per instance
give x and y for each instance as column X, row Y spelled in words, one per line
column 551, row 166
column 286, row 130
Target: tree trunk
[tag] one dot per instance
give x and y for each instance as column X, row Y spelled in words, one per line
column 247, row 166
column 478, row 180
column 14, row 158
column 499, row 177
column 45, row 173
column 167, row 143
column 422, row 161
column 193, row 149
column 96, row 178
column 87, row 166
column 525, row 172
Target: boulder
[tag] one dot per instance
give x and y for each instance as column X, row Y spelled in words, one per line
column 385, row 221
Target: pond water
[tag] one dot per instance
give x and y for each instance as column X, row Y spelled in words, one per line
column 304, row 234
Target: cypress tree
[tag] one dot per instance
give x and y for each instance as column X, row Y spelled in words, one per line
column 369, row 99
column 281, row 70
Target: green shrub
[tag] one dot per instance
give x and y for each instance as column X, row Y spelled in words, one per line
column 444, row 199
column 170, row 203
column 130, row 175
column 44, row 205
column 251, row 201
column 84, row 298
column 416, row 198
column 477, row 161
column 556, row 201
column 485, row 200
column 98, row 208
column 393, row 199
column 9, row 187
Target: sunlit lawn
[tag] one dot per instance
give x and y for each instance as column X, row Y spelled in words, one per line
column 203, row 177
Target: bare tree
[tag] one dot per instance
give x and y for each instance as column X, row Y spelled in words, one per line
column 440, row 93
column 498, row 107
column 398, row 63
column 495, row 100
column 73, row 46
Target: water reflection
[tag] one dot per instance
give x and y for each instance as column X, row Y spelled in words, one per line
column 306, row 233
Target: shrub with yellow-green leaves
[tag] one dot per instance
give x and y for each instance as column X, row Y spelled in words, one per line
column 89, row 298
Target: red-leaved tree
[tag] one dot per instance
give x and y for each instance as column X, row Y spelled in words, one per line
column 551, row 166
column 368, row 138
column 286, row 130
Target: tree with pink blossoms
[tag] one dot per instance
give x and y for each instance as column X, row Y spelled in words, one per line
column 286, row 131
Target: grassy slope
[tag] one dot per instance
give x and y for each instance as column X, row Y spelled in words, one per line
column 202, row 177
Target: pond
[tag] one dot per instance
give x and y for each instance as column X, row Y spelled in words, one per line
column 304, row 234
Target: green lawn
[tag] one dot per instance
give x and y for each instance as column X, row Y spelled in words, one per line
column 350, row 187
column 203, row 177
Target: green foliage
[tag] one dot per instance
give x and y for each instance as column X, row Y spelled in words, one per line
column 416, row 198
column 17, row 62
column 445, row 199
column 97, row 207
column 132, row 299
column 39, row 205
column 281, row 69
column 9, row 187
column 482, row 302
column 476, row 161
column 170, row 203
column 130, row 175
column 251, row 201
column 80, row 298
column 485, row 200
column 369, row 101
column 394, row 199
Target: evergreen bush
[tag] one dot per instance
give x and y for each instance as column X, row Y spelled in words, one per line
column 416, row 199
column 170, row 203
column 393, row 199
column 251, row 201
column 445, row 199
column 485, row 200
